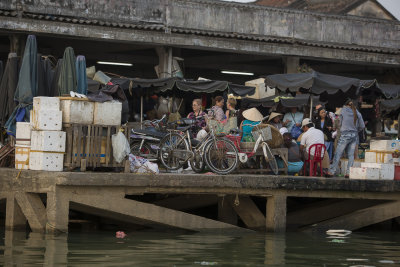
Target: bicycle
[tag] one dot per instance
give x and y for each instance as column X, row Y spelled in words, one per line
column 178, row 147
column 261, row 136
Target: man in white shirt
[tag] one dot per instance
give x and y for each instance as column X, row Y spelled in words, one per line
column 310, row 137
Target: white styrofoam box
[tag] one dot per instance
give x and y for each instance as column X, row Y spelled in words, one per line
column 46, row 161
column 46, row 103
column 386, row 171
column 343, row 165
column 378, row 157
column 107, row 113
column 364, row 173
column 23, row 134
column 396, row 160
column 384, row 145
column 48, row 141
column 44, row 120
column 261, row 91
column 22, row 157
column 74, row 111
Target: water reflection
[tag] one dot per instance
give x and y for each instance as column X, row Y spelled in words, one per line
column 177, row 249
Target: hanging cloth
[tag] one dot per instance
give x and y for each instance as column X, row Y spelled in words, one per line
column 67, row 80
column 7, row 88
column 82, row 85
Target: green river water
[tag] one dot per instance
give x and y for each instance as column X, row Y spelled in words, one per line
column 195, row 249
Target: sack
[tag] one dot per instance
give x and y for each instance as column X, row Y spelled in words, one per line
column 142, row 165
column 120, row 146
column 296, row 132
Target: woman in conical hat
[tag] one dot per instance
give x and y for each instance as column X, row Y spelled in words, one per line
column 275, row 120
column 252, row 118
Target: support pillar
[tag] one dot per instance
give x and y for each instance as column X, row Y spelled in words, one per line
column 276, row 213
column 291, row 64
column 164, row 62
column 226, row 212
column 17, row 44
column 15, row 219
column 57, row 212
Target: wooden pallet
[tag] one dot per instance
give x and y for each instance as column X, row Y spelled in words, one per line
column 90, row 146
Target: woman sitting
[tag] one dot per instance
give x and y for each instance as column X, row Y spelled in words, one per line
column 275, row 120
column 252, row 118
column 216, row 111
column 197, row 115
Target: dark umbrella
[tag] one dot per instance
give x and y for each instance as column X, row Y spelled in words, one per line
column 27, row 85
column 82, row 85
column 7, row 88
column 67, row 80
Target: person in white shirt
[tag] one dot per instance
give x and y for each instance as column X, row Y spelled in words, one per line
column 310, row 137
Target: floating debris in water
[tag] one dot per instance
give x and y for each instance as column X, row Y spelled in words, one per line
column 338, row 233
column 206, row 262
column 386, row 261
column 120, row 234
column 338, row 241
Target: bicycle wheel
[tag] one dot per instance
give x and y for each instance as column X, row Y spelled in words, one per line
column 270, row 158
column 197, row 162
column 173, row 151
column 221, row 156
column 141, row 152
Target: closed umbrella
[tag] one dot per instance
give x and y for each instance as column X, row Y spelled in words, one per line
column 7, row 88
column 27, row 85
column 67, row 80
column 82, row 85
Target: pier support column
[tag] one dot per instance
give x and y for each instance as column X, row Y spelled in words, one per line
column 57, row 212
column 15, row 219
column 226, row 212
column 276, row 213
column 291, row 64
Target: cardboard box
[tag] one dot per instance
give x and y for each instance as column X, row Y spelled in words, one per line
column 386, row 171
column 364, row 173
column 107, row 113
column 44, row 120
column 23, row 134
column 22, row 157
column 46, row 103
column 53, row 141
column 74, row 111
column 46, row 161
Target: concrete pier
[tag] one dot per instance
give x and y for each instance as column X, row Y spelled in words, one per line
column 44, row 200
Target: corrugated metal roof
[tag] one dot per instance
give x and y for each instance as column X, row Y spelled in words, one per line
column 177, row 30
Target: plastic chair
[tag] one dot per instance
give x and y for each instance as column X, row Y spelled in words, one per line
column 319, row 151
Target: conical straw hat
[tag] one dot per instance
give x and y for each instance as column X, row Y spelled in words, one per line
column 252, row 114
column 273, row 115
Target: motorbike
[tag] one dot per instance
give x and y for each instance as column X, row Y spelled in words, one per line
column 145, row 142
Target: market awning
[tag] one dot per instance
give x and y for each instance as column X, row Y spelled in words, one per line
column 287, row 102
column 313, row 82
column 167, row 84
column 390, row 105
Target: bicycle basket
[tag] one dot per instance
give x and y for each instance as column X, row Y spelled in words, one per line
column 265, row 132
column 216, row 125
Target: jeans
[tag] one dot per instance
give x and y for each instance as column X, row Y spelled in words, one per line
column 348, row 141
column 329, row 148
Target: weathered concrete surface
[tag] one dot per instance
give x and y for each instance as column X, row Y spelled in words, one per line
column 276, row 213
column 33, row 209
column 218, row 26
column 360, row 218
column 245, row 184
column 249, row 213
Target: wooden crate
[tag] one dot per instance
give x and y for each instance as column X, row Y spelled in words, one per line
column 90, row 146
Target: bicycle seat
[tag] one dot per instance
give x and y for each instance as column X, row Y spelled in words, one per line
column 183, row 128
column 195, row 142
column 150, row 132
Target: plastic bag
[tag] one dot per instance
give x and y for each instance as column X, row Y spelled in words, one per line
column 296, row 132
column 142, row 165
column 120, row 146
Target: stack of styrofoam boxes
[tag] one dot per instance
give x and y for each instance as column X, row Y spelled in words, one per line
column 378, row 161
column 344, row 162
column 107, row 113
column 22, row 145
column 47, row 139
column 77, row 111
column 261, row 91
